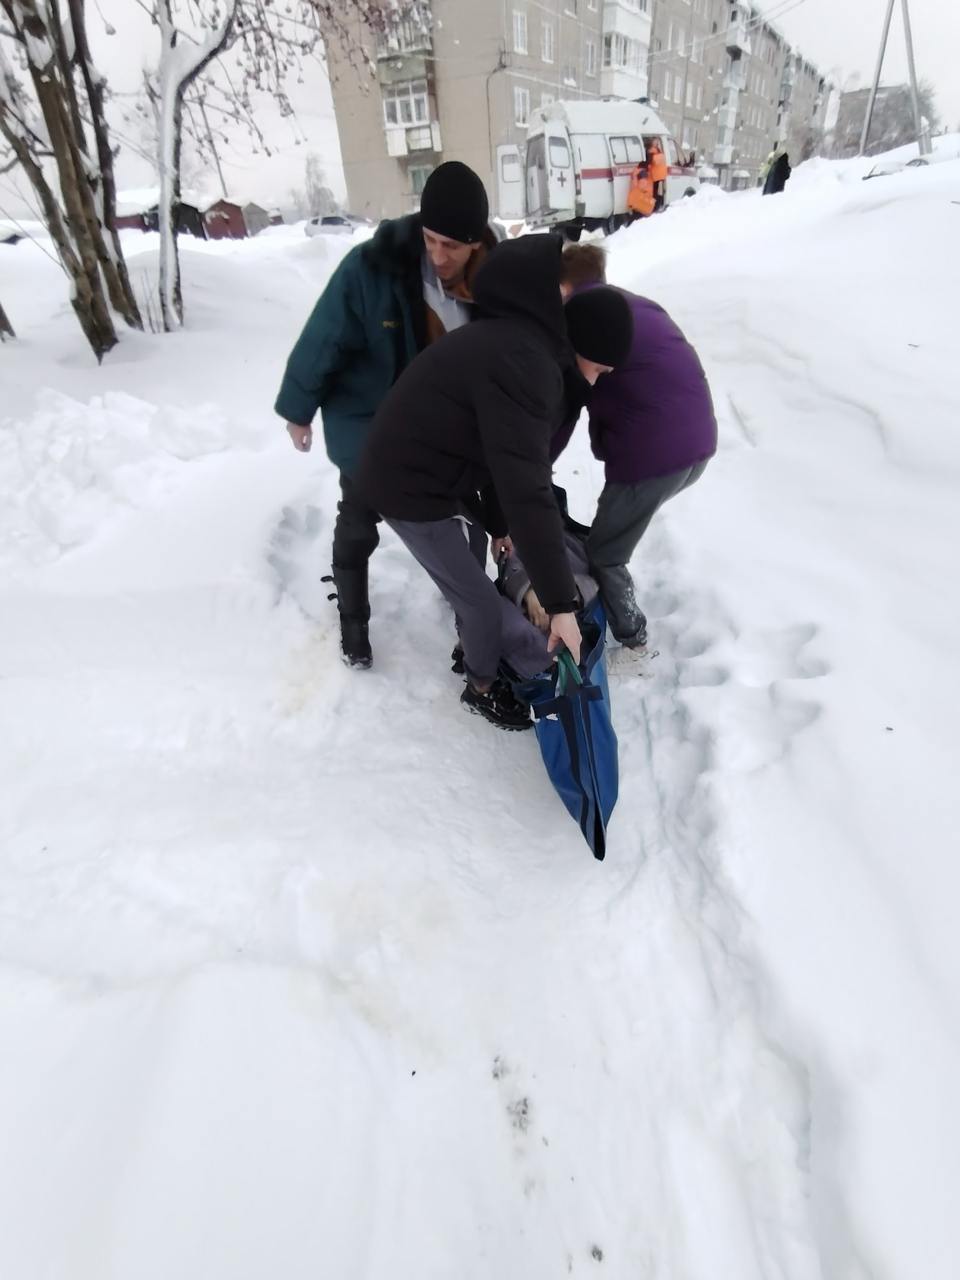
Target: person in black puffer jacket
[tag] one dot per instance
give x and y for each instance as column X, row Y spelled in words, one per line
column 466, row 431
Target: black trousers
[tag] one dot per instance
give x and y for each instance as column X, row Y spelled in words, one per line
column 355, row 535
column 623, row 514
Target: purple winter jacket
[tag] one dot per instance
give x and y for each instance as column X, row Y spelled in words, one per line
column 654, row 414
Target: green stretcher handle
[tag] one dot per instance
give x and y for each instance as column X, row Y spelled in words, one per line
column 569, row 671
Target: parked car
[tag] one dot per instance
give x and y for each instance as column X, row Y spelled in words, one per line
column 337, row 224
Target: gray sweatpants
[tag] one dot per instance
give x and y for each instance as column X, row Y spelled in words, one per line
column 491, row 628
column 623, row 514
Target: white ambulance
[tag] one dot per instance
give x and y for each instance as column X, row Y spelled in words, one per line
column 579, row 160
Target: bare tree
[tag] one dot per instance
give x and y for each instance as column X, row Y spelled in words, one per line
column 893, row 122
column 320, row 199
column 52, row 108
column 271, row 42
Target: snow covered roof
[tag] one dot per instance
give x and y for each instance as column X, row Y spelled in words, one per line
column 143, row 199
column 601, row 116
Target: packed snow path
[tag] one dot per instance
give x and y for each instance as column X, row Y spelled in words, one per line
column 306, row 972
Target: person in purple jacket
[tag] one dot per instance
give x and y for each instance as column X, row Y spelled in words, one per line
column 652, row 424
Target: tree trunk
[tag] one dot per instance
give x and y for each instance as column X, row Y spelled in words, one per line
column 6, row 328
column 79, row 238
column 171, row 294
column 94, row 321
column 180, row 64
column 112, row 263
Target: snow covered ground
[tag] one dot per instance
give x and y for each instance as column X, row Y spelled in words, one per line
column 305, row 972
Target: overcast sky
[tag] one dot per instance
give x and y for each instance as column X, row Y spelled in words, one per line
column 843, row 36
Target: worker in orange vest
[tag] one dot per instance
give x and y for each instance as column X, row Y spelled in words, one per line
column 640, row 198
column 657, row 163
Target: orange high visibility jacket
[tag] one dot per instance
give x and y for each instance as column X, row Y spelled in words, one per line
column 640, row 198
column 658, row 163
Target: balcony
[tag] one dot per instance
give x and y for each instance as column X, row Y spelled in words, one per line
column 727, row 118
column 618, row 83
column 404, row 37
column 738, row 38
column 736, row 78
column 625, row 20
column 410, row 140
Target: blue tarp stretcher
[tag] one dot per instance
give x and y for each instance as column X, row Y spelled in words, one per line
column 571, row 708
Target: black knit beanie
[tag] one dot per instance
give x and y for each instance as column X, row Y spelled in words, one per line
column 600, row 325
column 454, row 203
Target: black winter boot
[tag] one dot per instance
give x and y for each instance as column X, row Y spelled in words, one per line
column 353, row 603
column 498, row 705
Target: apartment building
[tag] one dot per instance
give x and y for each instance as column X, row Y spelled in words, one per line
column 729, row 87
column 464, row 85
column 804, row 97
column 686, row 68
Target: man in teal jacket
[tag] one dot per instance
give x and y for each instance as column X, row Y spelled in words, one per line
column 386, row 301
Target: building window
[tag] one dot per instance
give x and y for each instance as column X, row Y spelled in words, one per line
column 623, row 54
column 690, row 95
column 667, row 86
column 521, row 105
column 548, row 41
column 420, row 139
column 406, row 103
column 419, row 173
column 678, row 90
column 592, row 5
column 519, row 31
column 570, row 74
column 699, row 97
column 591, row 58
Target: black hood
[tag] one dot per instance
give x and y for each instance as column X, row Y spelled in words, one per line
column 521, row 279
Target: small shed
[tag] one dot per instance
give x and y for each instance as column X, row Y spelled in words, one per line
column 139, row 210
column 256, row 218
column 223, row 220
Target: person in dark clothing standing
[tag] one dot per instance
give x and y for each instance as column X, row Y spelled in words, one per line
column 466, row 432
column 778, row 172
column 652, row 424
column 387, row 301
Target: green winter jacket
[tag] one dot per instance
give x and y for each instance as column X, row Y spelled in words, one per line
column 367, row 326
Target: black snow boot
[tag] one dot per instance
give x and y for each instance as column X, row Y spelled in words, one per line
column 353, row 603
column 456, row 659
column 498, row 705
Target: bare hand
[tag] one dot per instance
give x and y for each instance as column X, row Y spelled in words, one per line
column 564, row 630
column 535, row 610
column 302, row 437
column 500, row 547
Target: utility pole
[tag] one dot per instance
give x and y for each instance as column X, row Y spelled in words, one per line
column 922, row 137
column 871, row 103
